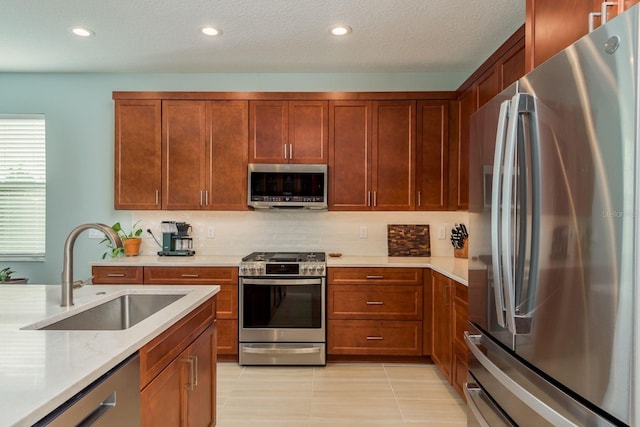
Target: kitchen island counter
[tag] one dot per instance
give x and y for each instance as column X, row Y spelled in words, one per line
column 454, row 268
column 40, row 370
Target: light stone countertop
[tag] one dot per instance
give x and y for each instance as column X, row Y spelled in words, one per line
column 41, row 370
column 454, row 268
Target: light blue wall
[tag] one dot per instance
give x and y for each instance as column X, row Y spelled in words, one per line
column 79, row 119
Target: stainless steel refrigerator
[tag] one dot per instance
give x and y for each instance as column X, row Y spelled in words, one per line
column 553, row 256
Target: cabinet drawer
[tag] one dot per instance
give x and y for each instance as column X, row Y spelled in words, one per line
column 159, row 352
column 227, row 302
column 116, row 275
column 227, row 336
column 190, row 275
column 378, row 275
column 375, row 302
column 372, row 337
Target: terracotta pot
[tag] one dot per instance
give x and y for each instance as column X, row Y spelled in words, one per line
column 132, row 246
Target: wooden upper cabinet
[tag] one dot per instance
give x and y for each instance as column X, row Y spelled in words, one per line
column 349, row 154
column 308, row 131
column 394, row 151
column 288, row 132
column 372, row 155
column 553, row 25
column 487, row 87
column 138, row 180
column 269, row 131
column 227, row 123
column 432, row 156
column 467, row 105
column 185, row 155
column 511, row 66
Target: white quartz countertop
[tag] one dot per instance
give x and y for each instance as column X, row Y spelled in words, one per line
column 454, row 268
column 40, row 370
column 173, row 261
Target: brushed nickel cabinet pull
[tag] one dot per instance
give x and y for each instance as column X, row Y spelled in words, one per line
column 374, row 277
column 291, row 151
column 192, row 375
column 190, row 275
column 157, row 197
column 375, row 198
column 419, row 198
column 285, row 151
column 368, row 198
column 375, row 338
column 375, row 302
column 115, row 275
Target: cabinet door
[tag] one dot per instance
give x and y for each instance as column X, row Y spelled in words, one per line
column 467, row 104
column 553, row 25
column 442, row 310
column 227, row 123
column 201, row 390
column 393, row 160
column 138, row 128
column 185, row 155
column 269, row 132
column 308, row 131
column 487, row 87
column 511, row 66
column 163, row 401
column 432, row 156
column 349, row 155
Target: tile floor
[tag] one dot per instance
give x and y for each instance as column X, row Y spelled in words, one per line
column 337, row 395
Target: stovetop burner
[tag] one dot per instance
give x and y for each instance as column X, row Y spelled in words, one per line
column 285, row 257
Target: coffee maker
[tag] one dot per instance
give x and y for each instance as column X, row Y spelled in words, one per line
column 175, row 239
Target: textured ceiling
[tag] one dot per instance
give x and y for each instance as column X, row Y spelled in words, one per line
column 259, row 36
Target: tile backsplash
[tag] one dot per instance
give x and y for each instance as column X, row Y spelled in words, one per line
column 239, row 233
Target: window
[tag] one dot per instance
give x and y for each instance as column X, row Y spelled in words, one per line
column 22, row 187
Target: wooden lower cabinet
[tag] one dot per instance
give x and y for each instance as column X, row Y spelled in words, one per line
column 442, row 332
column 460, row 325
column 178, row 372
column 375, row 311
column 183, row 394
column 374, row 337
column 450, row 318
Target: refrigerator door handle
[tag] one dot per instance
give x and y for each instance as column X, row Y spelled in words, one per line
column 507, row 215
column 495, row 213
column 541, row 408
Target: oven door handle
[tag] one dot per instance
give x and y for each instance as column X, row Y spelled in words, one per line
column 272, row 350
column 282, row 282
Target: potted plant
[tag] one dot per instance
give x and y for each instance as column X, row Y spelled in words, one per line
column 5, row 277
column 130, row 241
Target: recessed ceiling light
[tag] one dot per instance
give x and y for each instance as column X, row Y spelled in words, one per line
column 83, row 32
column 211, row 31
column 340, row 30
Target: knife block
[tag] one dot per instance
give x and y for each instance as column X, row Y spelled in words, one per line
column 464, row 252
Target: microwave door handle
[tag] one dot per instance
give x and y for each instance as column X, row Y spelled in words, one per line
column 496, row 179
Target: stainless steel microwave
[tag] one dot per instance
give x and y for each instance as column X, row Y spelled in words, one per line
column 293, row 186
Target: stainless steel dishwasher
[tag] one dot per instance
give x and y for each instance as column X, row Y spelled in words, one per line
column 112, row 400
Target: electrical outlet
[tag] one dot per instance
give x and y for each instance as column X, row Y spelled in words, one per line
column 96, row 234
column 363, row 232
column 211, row 233
column 442, row 233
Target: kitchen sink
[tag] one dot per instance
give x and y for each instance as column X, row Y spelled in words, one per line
column 117, row 314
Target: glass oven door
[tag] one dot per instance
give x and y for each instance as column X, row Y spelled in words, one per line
column 282, row 310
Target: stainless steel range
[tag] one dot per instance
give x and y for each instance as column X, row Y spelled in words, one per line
column 282, row 309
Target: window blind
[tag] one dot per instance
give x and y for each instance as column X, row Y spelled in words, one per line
column 22, row 186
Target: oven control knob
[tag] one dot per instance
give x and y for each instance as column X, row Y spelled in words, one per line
column 320, row 269
column 245, row 269
column 259, row 269
column 303, row 268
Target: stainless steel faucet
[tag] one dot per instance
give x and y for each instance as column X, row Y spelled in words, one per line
column 67, row 269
